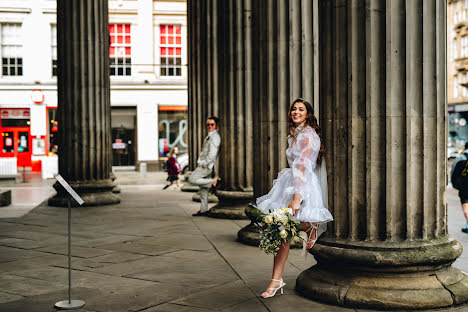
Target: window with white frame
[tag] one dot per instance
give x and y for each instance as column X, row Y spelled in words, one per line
column 120, row 50
column 464, row 90
column 11, row 49
column 455, row 87
column 464, row 46
column 463, row 11
column 171, row 50
column 53, row 46
column 455, row 48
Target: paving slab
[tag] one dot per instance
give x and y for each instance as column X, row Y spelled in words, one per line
column 106, row 240
column 178, row 240
column 76, row 251
column 25, row 286
column 34, row 263
column 102, row 261
column 204, row 273
column 291, row 301
column 251, row 305
column 11, row 254
column 171, row 307
column 218, row 298
column 45, row 302
column 139, row 299
column 132, row 267
column 137, row 248
column 105, row 283
column 5, row 297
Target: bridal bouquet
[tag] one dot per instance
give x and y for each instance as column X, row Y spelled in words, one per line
column 275, row 228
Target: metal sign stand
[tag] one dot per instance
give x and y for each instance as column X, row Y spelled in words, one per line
column 69, row 304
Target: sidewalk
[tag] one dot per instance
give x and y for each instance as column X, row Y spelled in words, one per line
column 148, row 254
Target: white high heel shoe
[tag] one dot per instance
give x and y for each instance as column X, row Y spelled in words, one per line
column 307, row 242
column 275, row 289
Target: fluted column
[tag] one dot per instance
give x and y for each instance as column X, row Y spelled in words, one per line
column 84, row 101
column 383, row 111
column 203, row 78
column 236, row 105
column 284, row 58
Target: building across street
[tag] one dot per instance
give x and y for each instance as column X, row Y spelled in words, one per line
column 148, row 71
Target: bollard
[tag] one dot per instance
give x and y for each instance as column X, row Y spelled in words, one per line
column 142, row 170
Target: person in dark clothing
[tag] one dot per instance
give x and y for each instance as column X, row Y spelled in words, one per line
column 173, row 168
column 459, row 178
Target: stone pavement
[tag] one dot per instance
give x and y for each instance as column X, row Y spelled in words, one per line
column 146, row 254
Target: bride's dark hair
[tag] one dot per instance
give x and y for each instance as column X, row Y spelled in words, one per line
column 311, row 121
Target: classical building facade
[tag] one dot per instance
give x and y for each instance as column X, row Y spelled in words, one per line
column 148, row 72
column 375, row 72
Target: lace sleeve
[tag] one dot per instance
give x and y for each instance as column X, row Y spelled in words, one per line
column 303, row 165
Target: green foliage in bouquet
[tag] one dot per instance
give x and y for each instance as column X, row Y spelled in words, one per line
column 275, row 228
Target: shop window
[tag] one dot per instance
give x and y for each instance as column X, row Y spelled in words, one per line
column 53, row 40
column 171, row 50
column 11, row 49
column 172, row 129
column 52, row 130
column 8, row 142
column 120, row 50
column 23, row 142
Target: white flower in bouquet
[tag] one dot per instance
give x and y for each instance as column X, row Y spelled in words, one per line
column 268, row 219
column 283, row 234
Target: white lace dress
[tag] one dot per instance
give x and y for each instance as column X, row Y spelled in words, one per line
column 300, row 178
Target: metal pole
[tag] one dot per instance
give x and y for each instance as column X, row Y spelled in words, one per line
column 69, row 304
column 69, row 250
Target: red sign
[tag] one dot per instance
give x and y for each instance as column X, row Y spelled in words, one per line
column 14, row 113
column 37, row 96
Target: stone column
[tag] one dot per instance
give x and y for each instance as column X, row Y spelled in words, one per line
column 203, row 80
column 84, row 102
column 284, row 57
column 383, row 111
column 236, row 104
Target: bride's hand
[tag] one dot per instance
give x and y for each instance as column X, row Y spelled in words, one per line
column 295, row 205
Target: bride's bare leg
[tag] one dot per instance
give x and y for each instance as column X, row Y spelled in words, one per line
column 278, row 266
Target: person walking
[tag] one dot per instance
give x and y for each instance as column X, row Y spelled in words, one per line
column 201, row 176
column 173, row 168
column 459, row 179
column 299, row 187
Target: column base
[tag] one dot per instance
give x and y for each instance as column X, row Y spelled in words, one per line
column 409, row 275
column 231, row 204
column 93, row 193
column 211, row 198
column 187, row 187
column 250, row 235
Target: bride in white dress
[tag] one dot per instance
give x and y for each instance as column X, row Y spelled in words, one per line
column 298, row 187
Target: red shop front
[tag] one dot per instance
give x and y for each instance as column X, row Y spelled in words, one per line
column 16, row 135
